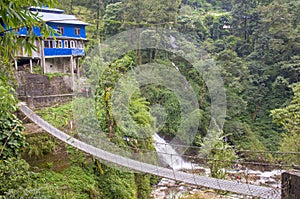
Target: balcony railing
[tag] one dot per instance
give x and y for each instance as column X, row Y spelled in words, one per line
column 63, row 51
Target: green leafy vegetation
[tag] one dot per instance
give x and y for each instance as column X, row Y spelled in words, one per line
column 51, row 75
column 289, row 118
column 222, row 158
column 11, row 139
column 255, row 43
column 69, row 183
column 103, row 180
column 40, row 145
column 59, row 116
column 17, row 181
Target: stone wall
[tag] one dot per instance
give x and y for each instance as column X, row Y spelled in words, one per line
column 39, row 90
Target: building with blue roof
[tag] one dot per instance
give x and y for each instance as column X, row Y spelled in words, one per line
column 61, row 54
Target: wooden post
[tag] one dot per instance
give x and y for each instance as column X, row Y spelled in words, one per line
column 43, row 61
column 30, row 63
column 290, row 184
column 29, row 100
column 72, row 72
column 78, row 69
column 16, row 64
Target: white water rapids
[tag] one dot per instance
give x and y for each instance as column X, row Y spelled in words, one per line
column 168, row 154
column 169, row 189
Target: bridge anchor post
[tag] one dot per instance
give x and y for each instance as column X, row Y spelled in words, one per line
column 29, row 101
column 290, row 185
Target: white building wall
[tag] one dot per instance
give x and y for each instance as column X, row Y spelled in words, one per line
column 60, row 65
column 34, row 54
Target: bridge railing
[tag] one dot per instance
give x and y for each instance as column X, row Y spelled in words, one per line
column 190, row 178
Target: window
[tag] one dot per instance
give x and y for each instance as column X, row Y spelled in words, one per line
column 72, row 44
column 58, row 44
column 66, row 44
column 60, row 30
column 53, row 44
column 77, row 31
column 46, row 44
column 79, row 44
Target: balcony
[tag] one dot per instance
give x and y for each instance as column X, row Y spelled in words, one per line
column 57, row 52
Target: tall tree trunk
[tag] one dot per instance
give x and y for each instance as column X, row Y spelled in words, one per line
column 110, row 123
column 256, row 111
column 139, row 52
column 98, row 19
column 245, row 29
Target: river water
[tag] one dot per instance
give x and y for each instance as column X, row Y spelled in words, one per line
column 167, row 188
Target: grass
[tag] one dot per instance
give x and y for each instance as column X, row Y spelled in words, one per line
column 59, row 116
column 51, row 75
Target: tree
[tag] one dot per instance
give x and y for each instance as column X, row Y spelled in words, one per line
column 161, row 13
column 113, row 18
column 274, row 34
column 123, row 115
column 289, row 118
column 244, row 19
column 14, row 15
column 221, row 158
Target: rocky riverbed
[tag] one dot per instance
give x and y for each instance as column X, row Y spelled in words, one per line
column 170, row 189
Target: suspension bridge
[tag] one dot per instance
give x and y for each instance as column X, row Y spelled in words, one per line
column 189, row 178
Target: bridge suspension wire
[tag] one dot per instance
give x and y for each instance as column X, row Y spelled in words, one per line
column 205, row 160
column 237, row 150
column 189, row 178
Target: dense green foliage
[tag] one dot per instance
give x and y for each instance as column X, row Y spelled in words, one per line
column 128, row 133
column 289, row 118
column 116, row 183
column 256, row 44
column 106, row 181
column 11, row 139
column 60, row 116
column 17, row 181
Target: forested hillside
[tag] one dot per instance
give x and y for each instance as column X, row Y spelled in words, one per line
column 255, row 43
